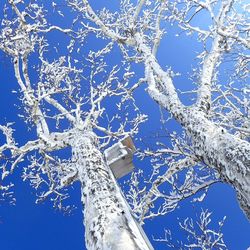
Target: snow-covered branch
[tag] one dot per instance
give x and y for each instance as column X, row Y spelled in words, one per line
column 199, row 234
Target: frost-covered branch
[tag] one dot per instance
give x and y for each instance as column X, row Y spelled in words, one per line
column 199, row 234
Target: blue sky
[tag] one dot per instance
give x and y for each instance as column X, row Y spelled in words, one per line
column 28, row 226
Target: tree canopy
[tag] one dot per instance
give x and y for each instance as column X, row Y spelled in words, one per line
column 172, row 75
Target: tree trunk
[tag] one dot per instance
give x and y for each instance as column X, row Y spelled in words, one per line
column 225, row 152
column 107, row 218
column 217, row 148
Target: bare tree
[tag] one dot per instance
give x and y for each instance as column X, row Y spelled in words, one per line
column 62, row 99
column 217, row 122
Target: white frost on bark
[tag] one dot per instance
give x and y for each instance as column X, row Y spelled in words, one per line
column 107, row 217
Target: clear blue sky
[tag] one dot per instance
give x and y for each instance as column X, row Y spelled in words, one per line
column 28, row 226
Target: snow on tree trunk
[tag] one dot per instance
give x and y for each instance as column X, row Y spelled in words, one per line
column 217, row 148
column 228, row 154
column 107, row 218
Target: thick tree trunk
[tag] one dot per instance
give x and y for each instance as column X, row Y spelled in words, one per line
column 107, row 218
column 228, row 154
column 225, row 152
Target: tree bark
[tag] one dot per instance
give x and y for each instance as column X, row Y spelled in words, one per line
column 107, row 217
column 225, row 152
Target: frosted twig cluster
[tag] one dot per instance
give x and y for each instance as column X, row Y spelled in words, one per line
column 198, row 234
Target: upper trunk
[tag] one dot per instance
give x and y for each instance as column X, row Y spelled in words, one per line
column 107, row 218
column 225, row 152
column 228, row 154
